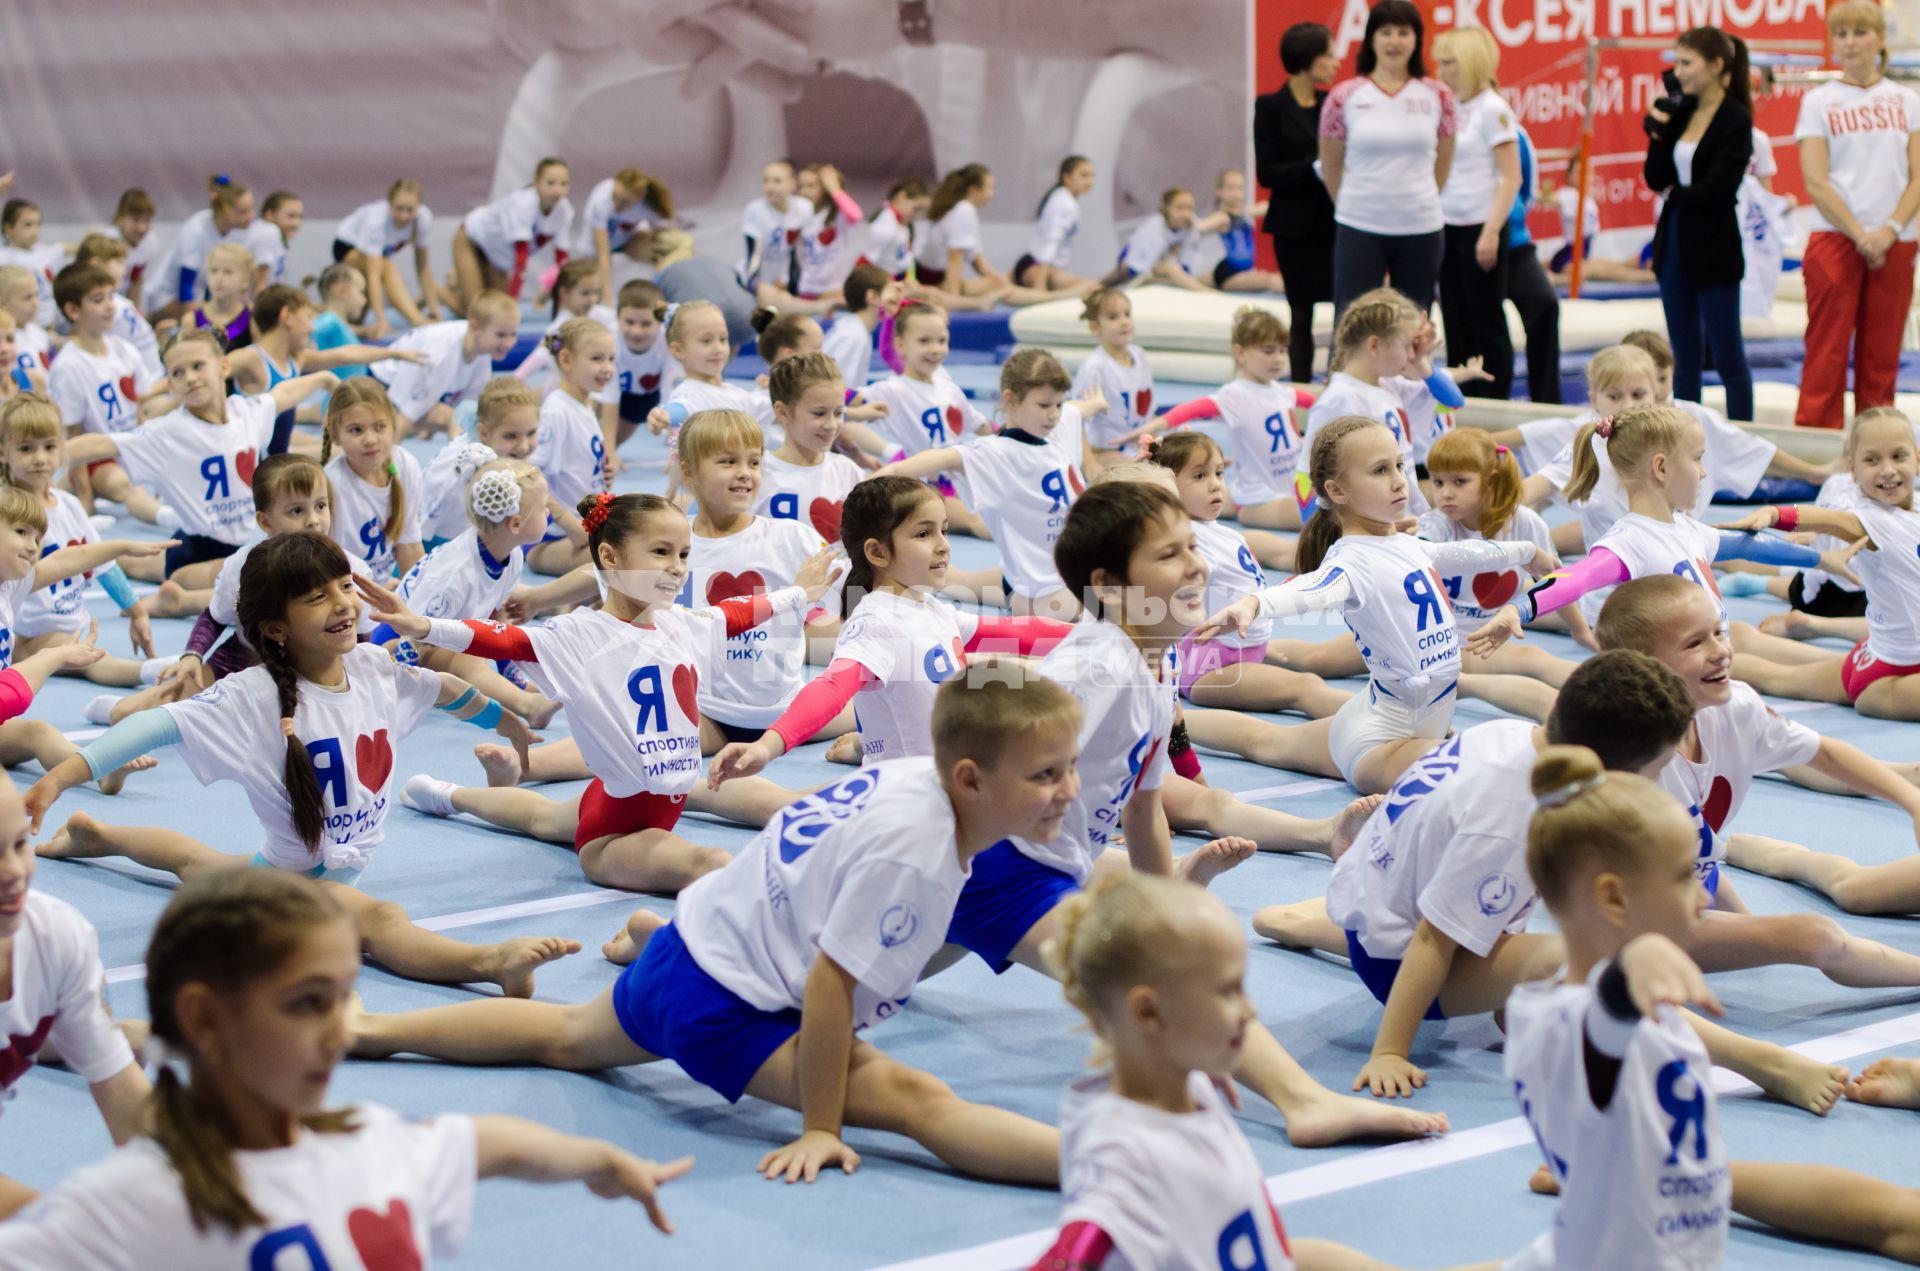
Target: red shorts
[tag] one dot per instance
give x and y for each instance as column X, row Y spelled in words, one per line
column 602, row 814
column 97, row 464
column 1861, row 669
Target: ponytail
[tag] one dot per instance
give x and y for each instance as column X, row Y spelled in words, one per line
column 1317, row 538
column 222, row 929
column 1714, row 45
column 1586, row 466
column 1323, row 528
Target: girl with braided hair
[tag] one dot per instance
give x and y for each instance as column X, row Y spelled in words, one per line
column 308, row 735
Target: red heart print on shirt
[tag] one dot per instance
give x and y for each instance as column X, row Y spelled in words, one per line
column 827, row 236
column 373, row 760
column 954, row 420
column 1143, row 403
column 244, row 463
column 649, row 382
column 825, row 515
column 686, row 691
column 724, row 586
column 129, row 390
column 1706, row 576
column 385, row 1241
column 1494, row 590
column 1719, row 801
column 1074, row 482
column 18, row 1054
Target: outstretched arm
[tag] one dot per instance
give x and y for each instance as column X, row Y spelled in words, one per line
column 509, row 1147
column 925, row 464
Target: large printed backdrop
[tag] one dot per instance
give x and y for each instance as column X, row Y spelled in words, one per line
column 1543, row 69
column 334, row 100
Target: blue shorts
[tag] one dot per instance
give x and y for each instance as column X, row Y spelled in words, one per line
column 1378, row 974
column 1007, row 893
column 736, row 732
column 319, row 873
column 669, row 1007
column 635, row 407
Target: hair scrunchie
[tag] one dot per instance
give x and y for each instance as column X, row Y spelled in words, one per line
column 495, row 495
column 1604, row 428
column 1565, row 794
column 597, row 514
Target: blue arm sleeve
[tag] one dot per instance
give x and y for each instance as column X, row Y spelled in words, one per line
column 129, row 739
column 1445, row 391
column 189, row 279
column 113, row 581
column 1765, row 549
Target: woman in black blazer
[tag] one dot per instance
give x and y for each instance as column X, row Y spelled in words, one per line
column 1697, row 158
column 1286, row 145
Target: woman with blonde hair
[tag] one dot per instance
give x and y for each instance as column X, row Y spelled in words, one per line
column 1476, row 201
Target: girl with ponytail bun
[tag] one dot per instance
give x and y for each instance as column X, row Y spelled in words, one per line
column 1158, row 968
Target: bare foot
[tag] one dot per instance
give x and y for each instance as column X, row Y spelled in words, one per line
column 116, row 780
column 845, row 749
column 1214, row 859
column 1890, row 1083
column 1805, row 1083
column 1346, row 825
column 1542, row 1184
column 1791, row 625
column 1332, row 1118
column 633, row 937
column 511, row 963
column 537, row 720
column 501, row 762
column 78, row 840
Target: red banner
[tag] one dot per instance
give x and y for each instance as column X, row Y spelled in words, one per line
column 1544, row 48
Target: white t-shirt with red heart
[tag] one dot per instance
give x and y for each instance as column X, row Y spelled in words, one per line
column 204, row 471
column 813, row 495
column 59, row 606
column 1128, row 390
column 100, row 392
column 55, row 995
column 389, row 1193
column 231, row 732
column 1477, row 597
column 913, row 646
column 760, row 670
column 1739, row 740
column 922, row 414
column 631, row 691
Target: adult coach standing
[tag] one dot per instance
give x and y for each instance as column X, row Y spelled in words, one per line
column 1286, row 146
column 1386, row 146
column 1476, row 201
column 1698, row 154
column 1860, row 154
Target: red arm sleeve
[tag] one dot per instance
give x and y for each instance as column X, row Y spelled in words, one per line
column 499, row 642
column 1598, row 568
column 1187, row 412
column 1082, row 1246
column 744, row 613
column 15, row 694
column 1027, row 636
column 520, row 253
column 824, row 696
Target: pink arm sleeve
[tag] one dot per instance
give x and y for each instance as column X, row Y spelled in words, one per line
column 1303, row 399
column 1027, row 636
column 889, row 352
column 825, row 696
column 1598, row 568
column 15, row 694
column 1187, row 412
column 848, row 208
column 1082, row 1246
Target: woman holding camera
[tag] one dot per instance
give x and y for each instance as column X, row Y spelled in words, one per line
column 1701, row 144
column 1859, row 141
